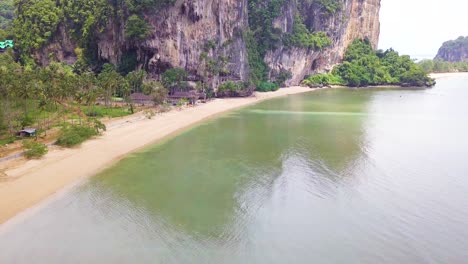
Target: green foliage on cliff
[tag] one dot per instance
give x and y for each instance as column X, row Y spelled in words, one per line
column 137, row 28
column 264, row 36
column 258, row 68
column 38, row 21
column 329, row 6
column 303, row 38
column 443, row 66
column 363, row 66
column 140, row 6
column 262, row 13
column 35, row 23
column 6, row 13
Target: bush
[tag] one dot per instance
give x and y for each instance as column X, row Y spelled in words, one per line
column 6, row 141
column 73, row 135
column 34, row 150
column 101, row 111
column 149, row 113
column 159, row 95
column 323, row 79
column 230, row 87
column 233, row 89
column 182, row 102
column 364, row 66
column 165, row 107
column 267, row 87
column 282, row 77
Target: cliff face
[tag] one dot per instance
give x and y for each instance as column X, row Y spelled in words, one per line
column 191, row 33
column 355, row 19
column 454, row 50
column 194, row 28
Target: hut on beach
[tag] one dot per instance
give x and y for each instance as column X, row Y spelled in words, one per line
column 140, row 98
column 29, row 132
column 191, row 96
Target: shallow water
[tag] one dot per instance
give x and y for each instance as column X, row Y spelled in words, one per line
column 334, row 176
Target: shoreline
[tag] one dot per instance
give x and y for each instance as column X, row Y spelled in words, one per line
column 27, row 184
column 444, row 75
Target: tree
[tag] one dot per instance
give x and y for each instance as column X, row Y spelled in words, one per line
column 173, row 78
column 137, row 28
column 109, row 80
column 156, row 90
column 35, row 23
column 363, row 66
column 135, row 80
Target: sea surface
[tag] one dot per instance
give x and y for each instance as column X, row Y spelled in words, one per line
column 332, row 176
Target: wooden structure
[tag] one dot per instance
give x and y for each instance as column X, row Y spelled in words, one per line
column 29, row 132
column 140, row 98
column 191, row 96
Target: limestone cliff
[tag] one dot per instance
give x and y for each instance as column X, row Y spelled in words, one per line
column 454, row 50
column 189, row 33
column 355, row 19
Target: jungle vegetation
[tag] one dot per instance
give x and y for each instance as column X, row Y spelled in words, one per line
column 363, row 66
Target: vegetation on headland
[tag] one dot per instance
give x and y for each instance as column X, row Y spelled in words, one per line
column 438, row 66
column 363, row 66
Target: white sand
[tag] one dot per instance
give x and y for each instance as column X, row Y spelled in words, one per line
column 448, row 75
column 36, row 180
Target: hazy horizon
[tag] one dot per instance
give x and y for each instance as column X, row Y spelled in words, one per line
column 419, row 27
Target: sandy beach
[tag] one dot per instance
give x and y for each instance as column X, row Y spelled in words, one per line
column 27, row 184
column 448, row 75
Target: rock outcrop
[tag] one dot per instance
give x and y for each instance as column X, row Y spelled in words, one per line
column 454, row 50
column 355, row 19
column 190, row 30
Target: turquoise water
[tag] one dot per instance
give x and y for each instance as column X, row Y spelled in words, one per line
column 334, row 176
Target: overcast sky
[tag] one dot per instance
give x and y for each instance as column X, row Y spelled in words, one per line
column 419, row 27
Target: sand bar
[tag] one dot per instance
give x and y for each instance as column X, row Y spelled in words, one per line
column 448, row 75
column 35, row 180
